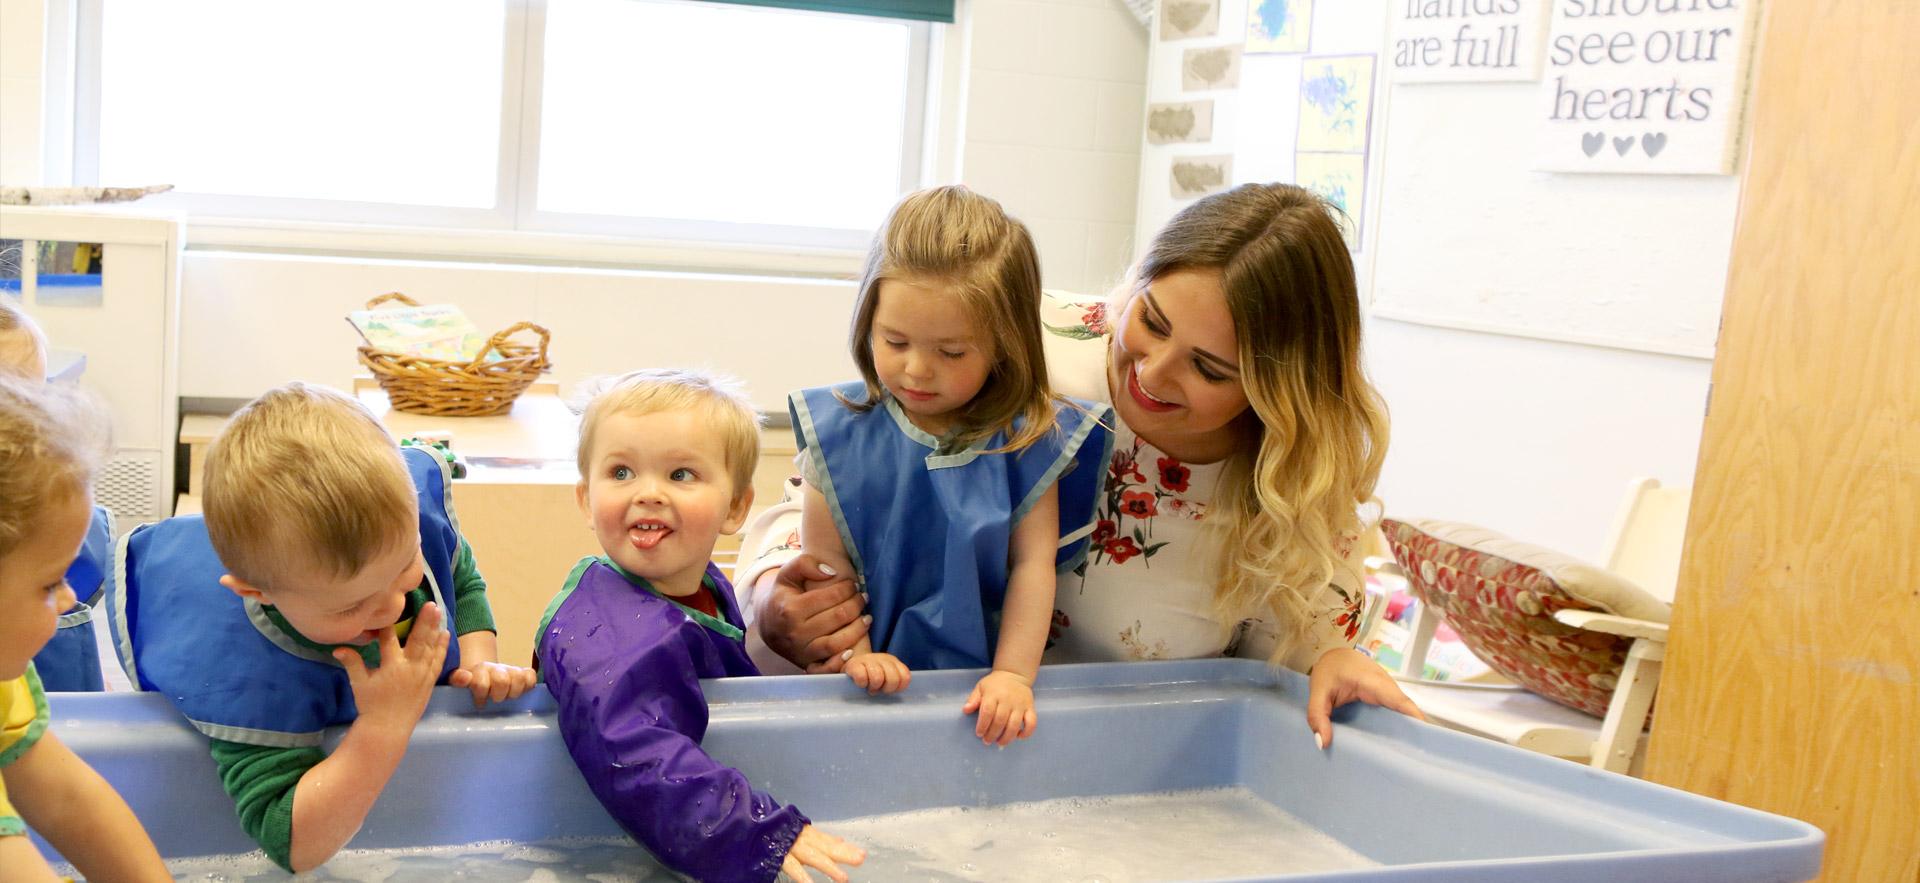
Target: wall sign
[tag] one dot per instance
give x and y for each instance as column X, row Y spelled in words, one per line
column 1645, row 86
column 1454, row 41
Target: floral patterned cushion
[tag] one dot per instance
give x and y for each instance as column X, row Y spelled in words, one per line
column 1500, row 595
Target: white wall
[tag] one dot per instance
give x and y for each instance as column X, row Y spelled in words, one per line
column 253, row 320
column 1054, row 98
column 1536, row 439
column 20, row 60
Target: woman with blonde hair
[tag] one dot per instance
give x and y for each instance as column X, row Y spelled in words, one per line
column 1247, row 445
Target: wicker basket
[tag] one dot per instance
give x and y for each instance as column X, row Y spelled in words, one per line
column 445, row 388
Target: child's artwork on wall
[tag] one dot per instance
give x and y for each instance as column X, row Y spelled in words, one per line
column 1215, row 67
column 1185, row 19
column 1437, row 41
column 1197, row 176
column 1336, row 100
column 1341, row 179
column 1278, row 25
column 1644, row 88
column 1180, row 122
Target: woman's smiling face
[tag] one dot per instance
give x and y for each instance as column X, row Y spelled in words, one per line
column 1175, row 372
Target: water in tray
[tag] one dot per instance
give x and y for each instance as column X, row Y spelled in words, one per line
column 1182, row 835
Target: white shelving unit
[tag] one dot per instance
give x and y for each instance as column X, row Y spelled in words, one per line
column 129, row 335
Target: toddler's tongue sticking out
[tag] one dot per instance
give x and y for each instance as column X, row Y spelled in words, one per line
column 647, row 534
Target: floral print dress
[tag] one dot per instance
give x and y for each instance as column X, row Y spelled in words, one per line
column 1146, row 588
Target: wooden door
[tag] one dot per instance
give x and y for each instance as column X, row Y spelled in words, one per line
column 1792, row 682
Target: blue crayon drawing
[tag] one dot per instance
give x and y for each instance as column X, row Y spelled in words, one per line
column 1332, row 95
column 1336, row 95
column 1274, row 16
column 1278, row 25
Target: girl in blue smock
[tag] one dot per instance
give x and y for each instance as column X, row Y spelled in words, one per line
column 950, row 479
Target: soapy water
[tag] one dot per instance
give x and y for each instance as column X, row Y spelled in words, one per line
column 599, row 860
column 1181, row 835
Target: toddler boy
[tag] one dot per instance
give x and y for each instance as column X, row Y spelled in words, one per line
column 317, row 591
column 666, row 465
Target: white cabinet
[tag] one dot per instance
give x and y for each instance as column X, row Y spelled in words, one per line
column 128, row 330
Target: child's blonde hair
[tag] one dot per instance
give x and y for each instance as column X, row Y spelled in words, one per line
column 305, row 476
column 22, row 345
column 52, row 441
column 967, row 242
column 653, row 390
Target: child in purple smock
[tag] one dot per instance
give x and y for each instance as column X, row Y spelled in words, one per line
column 666, row 464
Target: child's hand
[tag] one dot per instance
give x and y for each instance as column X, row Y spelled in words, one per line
column 815, row 848
column 493, row 681
column 1005, row 703
column 395, row 694
column 879, row 672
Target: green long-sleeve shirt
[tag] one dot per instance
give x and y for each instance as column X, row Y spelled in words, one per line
column 261, row 780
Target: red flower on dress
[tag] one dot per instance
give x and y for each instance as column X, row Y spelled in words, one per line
column 1059, row 625
column 1122, row 549
column 1350, row 618
column 1095, row 318
column 1104, row 531
column 1174, row 475
column 1138, row 504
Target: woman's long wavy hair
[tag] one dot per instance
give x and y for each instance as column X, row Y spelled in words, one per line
column 1316, row 433
column 967, row 242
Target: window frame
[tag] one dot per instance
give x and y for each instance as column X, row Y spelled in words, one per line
column 516, row 179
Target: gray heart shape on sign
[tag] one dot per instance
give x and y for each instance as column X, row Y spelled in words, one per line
column 1592, row 141
column 1622, row 145
column 1652, row 142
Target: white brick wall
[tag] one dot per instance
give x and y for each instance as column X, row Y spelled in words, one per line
column 1055, row 91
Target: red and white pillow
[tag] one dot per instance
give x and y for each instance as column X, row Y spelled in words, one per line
column 1500, row 595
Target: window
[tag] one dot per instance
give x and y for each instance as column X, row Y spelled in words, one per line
column 670, row 119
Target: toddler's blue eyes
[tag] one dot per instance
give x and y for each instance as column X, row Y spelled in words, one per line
column 621, row 473
column 682, row 474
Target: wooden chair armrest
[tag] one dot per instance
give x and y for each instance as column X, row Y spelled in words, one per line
column 1624, row 626
column 1379, row 564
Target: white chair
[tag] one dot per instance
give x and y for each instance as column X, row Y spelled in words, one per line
column 1592, row 639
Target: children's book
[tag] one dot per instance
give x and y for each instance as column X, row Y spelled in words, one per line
column 436, row 331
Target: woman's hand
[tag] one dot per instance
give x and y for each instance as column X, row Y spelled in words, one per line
column 1342, row 675
column 810, row 614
